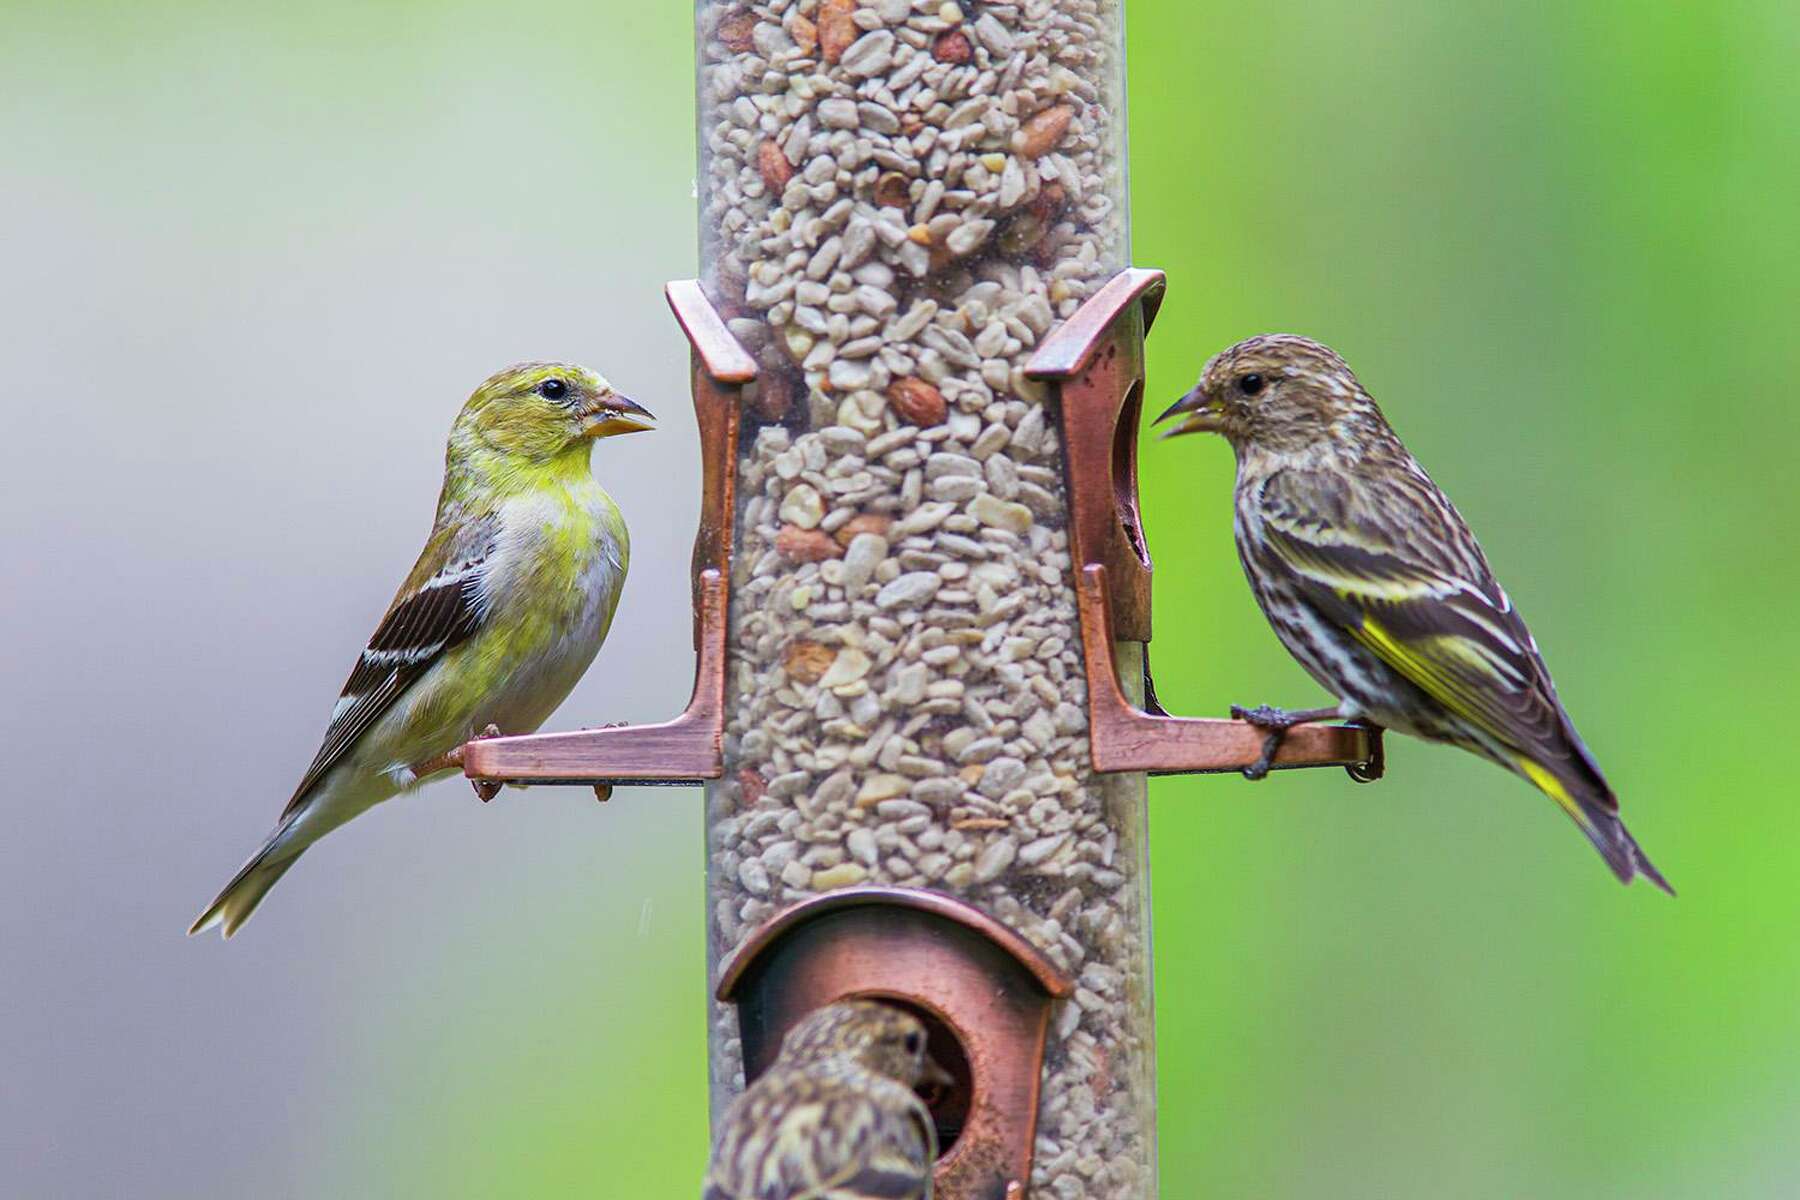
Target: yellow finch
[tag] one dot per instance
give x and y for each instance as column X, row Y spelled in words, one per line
column 504, row 610
column 1374, row 583
column 835, row 1116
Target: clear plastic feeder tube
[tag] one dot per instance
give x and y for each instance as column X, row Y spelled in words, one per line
column 899, row 199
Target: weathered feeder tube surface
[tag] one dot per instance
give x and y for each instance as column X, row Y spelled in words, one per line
column 899, row 199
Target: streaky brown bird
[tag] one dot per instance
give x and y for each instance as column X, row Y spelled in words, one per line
column 1372, row 580
column 835, row 1117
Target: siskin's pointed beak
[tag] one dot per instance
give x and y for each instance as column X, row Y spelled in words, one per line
column 1203, row 415
column 617, row 415
column 934, row 1075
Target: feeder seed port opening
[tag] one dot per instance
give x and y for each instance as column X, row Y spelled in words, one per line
column 985, row 994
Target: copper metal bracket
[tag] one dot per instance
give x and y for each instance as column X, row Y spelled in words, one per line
column 1095, row 361
column 984, row 991
column 688, row 749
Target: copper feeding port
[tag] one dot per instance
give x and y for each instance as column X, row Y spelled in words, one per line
column 983, row 992
column 689, row 748
column 1095, row 362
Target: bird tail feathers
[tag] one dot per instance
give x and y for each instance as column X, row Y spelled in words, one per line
column 1597, row 815
column 240, row 897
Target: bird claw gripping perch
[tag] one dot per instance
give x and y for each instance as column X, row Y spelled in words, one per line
column 1095, row 363
column 1276, row 722
column 690, row 748
column 485, row 789
column 1279, row 721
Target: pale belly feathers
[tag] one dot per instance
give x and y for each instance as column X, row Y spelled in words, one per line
column 553, row 583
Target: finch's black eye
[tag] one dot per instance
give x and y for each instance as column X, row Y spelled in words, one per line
column 553, row 389
column 1250, row 384
column 914, row 1043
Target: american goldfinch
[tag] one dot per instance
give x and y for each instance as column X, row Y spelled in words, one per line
column 1374, row 583
column 835, row 1116
column 501, row 615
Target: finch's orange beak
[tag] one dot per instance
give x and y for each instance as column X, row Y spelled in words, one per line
column 616, row 415
column 1203, row 415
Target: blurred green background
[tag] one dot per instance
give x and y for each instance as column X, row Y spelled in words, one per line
column 253, row 253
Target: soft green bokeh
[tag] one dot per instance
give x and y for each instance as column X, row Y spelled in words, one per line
column 1558, row 242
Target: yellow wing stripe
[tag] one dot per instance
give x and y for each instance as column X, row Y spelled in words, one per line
column 1477, row 655
column 1552, row 787
column 1396, row 587
column 1419, row 669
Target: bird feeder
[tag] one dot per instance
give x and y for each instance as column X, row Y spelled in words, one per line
column 921, row 583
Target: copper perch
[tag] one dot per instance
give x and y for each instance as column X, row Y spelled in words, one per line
column 984, row 992
column 1096, row 362
column 1126, row 738
column 688, row 749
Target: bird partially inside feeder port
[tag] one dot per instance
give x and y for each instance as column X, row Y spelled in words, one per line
column 1374, row 583
column 499, row 618
column 836, row 1116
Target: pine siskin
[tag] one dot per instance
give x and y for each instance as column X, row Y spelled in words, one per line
column 835, row 1116
column 502, row 614
column 1374, row 583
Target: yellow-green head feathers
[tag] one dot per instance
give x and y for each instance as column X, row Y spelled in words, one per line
column 504, row 609
column 538, row 411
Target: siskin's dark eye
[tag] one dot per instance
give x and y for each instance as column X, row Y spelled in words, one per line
column 1250, row 384
column 553, row 389
column 914, row 1043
